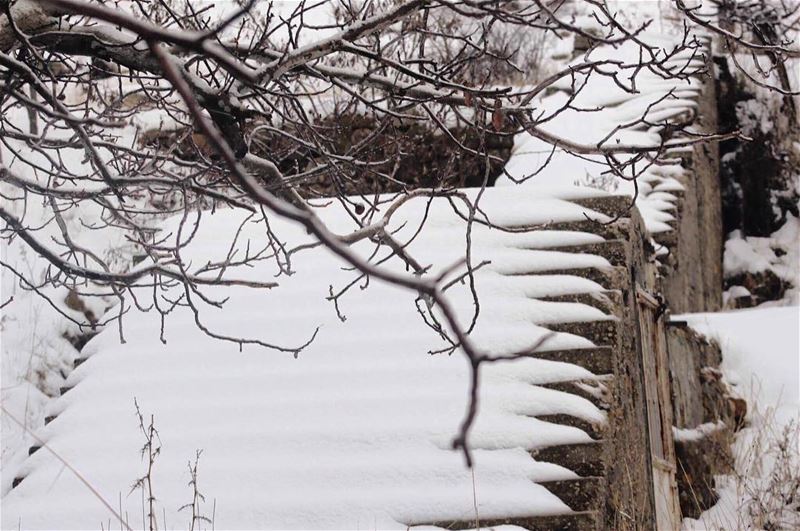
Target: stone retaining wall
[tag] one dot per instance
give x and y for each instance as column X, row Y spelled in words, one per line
column 692, row 272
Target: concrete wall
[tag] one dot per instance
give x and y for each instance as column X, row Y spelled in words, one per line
column 700, row 396
column 693, row 271
column 693, row 361
column 630, row 502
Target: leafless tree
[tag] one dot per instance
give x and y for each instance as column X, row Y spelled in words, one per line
column 262, row 115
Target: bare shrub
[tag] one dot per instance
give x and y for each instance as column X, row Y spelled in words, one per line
column 197, row 497
column 149, row 452
column 762, row 490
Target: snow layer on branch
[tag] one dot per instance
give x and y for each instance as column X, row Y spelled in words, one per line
column 356, row 431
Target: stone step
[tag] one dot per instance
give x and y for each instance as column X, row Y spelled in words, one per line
column 584, row 494
column 79, row 340
column 578, row 388
column 597, row 360
column 593, row 430
column 598, row 332
column 612, row 250
column 585, row 459
column 578, row 521
column 610, row 278
column 606, row 301
column 615, row 206
column 611, row 231
column 668, row 239
column 683, row 154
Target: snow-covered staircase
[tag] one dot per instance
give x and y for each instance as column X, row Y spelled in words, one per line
column 558, row 271
column 613, row 448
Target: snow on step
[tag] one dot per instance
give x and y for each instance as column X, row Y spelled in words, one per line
column 597, row 111
column 356, row 431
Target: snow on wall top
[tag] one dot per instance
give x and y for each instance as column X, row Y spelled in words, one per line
column 597, row 111
column 356, row 431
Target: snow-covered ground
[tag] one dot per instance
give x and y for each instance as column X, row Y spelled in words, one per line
column 761, row 361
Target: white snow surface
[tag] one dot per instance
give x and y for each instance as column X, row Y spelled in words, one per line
column 761, row 360
column 356, row 431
